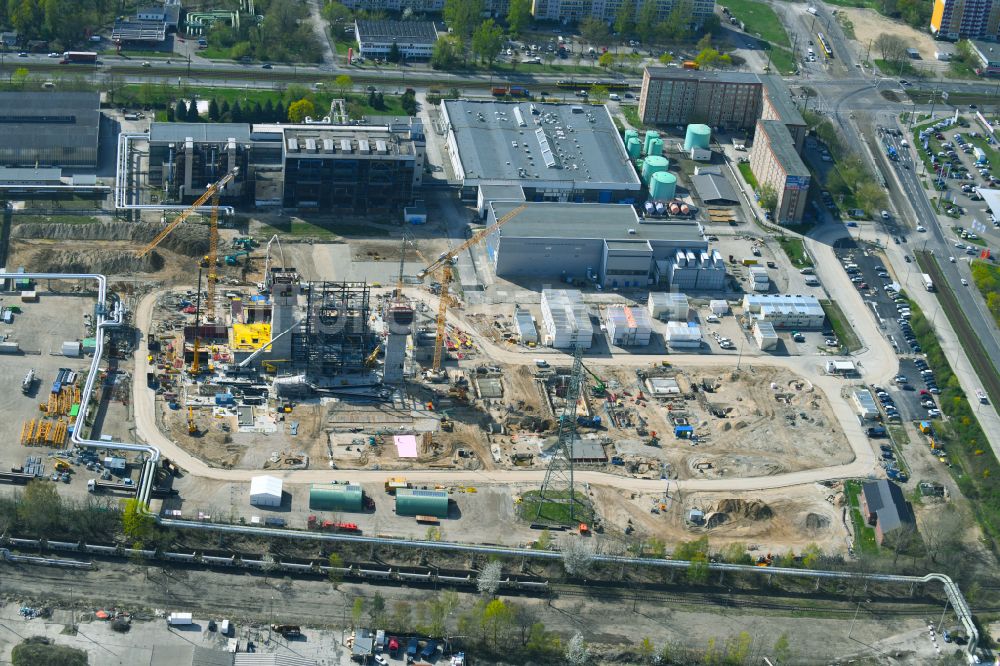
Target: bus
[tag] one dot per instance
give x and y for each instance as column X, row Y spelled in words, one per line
column 825, row 45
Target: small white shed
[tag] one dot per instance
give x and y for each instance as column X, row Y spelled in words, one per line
column 265, row 491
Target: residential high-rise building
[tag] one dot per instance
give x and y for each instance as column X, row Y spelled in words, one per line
column 966, row 19
column 775, row 162
column 573, row 11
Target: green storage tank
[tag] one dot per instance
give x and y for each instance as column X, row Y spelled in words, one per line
column 697, row 136
column 413, row 502
column 662, row 186
column 655, row 147
column 650, row 135
column 653, row 164
column 336, row 497
column 634, row 147
column 631, row 134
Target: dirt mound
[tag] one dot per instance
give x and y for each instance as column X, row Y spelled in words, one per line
column 815, row 521
column 738, row 508
column 187, row 239
column 106, row 261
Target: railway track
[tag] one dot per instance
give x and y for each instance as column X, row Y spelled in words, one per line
column 981, row 361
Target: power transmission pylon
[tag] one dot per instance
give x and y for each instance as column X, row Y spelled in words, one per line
column 557, row 488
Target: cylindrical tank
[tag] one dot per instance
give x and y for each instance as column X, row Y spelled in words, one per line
column 634, row 147
column 697, row 136
column 653, row 164
column 632, row 134
column 650, row 135
column 663, row 186
column 655, row 147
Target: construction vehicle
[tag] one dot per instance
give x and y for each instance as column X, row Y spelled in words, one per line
column 395, row 483
column 599, row 389
column 245, row 243
column 233, row 259
column 370, row 360
column 192, row 428
column 444, row 263
column 28, row 382
column 287, row 630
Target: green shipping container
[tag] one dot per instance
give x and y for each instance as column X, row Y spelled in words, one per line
column 410, row 502
column 336, row 497
column 74, row 410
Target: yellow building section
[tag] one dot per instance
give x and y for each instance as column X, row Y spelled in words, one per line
column 249, row 337
column 937, row 15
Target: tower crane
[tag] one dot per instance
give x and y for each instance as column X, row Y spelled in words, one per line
column 213, row 192
column 443, row 263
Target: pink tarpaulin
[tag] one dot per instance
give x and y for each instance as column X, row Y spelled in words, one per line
column 406, row 446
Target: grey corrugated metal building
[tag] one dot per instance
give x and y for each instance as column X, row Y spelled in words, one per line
column 49, row 129
column 553, row 152
column 599, row 244
column 886, row 508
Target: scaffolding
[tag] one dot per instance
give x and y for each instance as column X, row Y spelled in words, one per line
column 335, row 338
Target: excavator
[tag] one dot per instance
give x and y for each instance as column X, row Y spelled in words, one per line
column 444, row 263
column 232, row 259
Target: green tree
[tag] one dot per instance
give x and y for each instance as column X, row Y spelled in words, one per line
column 463, row 15
column 544, row 541
column 180, row 111
column 599, row 93
column 336, row 12
column 782, row 651
column 607, row 60
column 39, row 651
column 447, row 52
column 768, row 198
column 357, row 610
column 343, row 83
column 19, row 77
column 738, row 648
column 811, row 556
column 736, row 553
column 394, row 55
column 40, row 508
column 192, row 111
column 226, row 112
column 665, row 59
column 137, row 523
column 697, row 572
column 625, row 18
column 594, row 31
column 577, row 653
column 487, row 42
column 298, row 111
column 518, row 16
column 376, row 610
column 686, row 550
column 497, row 623
column 646, row 649
column 213, row 111
column 647, row 22
column 402, row 617
column 871, row 197
column 335, row 576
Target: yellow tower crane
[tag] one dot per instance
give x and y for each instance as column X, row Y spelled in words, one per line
column 212, row 192
column 443, row 263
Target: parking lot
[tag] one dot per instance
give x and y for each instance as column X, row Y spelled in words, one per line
column 871, row 276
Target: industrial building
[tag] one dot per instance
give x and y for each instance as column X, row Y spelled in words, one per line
column 150, row 25
column 265, row 491
column 775, row 162
column 731, row 100
column 414, row 502
column 713, row 188
column 574, row 11
column 355, row 169
column 336, row 497
column 683, row 335
column 565, row 320
column 987, row 54
column 50, row 129
column 765, row 335
column 603, row 245
column 525, row 325
column 786, row 311
column 884, row 507
column 414, row 39
column 628, row 326
column 966, row 19
column 865, row 404
column 539, row 151
column 668, row 306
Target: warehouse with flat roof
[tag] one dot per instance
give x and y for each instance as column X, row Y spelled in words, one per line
column 603, row 245
column 551, row 152
column 414, row 39
column 50, row 129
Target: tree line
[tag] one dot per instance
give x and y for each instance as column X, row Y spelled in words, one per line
column 63, row 23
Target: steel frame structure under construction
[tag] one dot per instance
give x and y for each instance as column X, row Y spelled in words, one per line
column 335, row 338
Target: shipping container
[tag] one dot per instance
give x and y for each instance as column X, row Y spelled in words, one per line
column 179, row 619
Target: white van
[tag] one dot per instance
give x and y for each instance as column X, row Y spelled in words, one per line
column 541, row 363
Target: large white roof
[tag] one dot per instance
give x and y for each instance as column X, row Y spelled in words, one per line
column 265, row 485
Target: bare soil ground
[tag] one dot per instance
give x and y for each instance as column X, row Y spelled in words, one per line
column 869, row 24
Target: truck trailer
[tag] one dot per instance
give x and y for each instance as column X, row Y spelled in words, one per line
column 83, row 57
column 928, row 283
